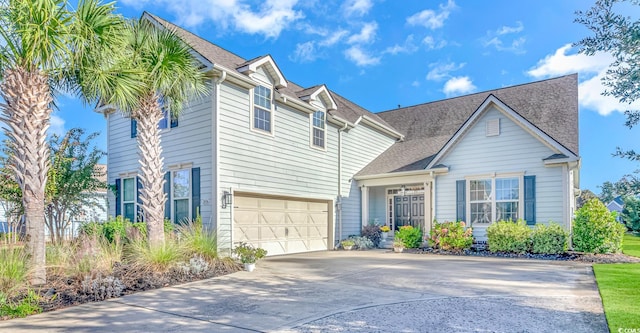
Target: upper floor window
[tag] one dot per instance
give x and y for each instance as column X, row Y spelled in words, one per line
column 318, row 129
column 168, row 120
column 262, row 110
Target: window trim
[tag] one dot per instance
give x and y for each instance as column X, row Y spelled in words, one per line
column 313, row 127
column 253, row 106
column 493, row 177
column 174, row 198
column 134, row 200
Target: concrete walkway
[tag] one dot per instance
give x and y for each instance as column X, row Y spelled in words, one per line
column 371, row 291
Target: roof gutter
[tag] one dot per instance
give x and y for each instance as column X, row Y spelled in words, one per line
column 428, row 172
column 380, row 127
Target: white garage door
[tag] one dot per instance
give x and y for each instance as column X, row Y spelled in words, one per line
column 281, row 225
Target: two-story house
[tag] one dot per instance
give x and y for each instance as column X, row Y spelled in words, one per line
column 294, row 169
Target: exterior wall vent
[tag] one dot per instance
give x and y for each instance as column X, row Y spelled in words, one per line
column 493, row 127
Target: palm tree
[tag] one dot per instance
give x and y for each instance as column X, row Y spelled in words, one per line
column 42, row 43
column 172, row 76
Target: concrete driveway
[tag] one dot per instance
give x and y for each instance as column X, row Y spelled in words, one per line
column 371, row 291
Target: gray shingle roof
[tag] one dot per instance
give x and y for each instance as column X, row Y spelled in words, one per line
column 550, row 105
column 347, row 110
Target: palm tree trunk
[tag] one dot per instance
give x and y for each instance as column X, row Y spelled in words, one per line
column 151, row 165
column 26, row 113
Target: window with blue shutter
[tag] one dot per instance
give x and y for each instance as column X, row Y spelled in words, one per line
column 118, row 198
column 139, row 215
column 134, row 128
column 167, row 192
column 195, row 192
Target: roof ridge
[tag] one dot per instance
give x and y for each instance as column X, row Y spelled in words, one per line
column 489, row 91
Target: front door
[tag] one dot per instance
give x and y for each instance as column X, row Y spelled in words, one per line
column 409, row 210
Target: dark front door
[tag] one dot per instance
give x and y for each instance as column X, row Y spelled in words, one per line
column 409, row 210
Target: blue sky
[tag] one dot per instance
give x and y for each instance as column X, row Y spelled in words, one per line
column 382, row 54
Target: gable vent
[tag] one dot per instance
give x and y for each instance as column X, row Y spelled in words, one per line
column 493, row 127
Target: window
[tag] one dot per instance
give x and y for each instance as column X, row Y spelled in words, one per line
column 129, row 199
column 480, row 200
column 181, row 195
column 169, row 120
column 507, row 197
column 318, row 129
column 262, row 108
column 494, row 199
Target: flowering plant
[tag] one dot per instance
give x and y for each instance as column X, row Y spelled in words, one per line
column 451, row 236
column 385, row 228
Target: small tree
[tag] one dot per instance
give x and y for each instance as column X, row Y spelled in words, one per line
column 631, row 213
column 596, row 230
column 72, row 181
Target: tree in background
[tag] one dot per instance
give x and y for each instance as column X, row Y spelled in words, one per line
column 72, row 181
column 10, row 197
column 44, row 44
column 626, row 186
column 618, row 35
column 585, row 195
column 631, row 213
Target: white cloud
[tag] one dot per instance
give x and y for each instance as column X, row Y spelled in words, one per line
column 56, row 126
column 333, row 38
column 305, row 52
column 590, row 90
column 497, row 39
column 360, row 57
column 415, row 83
column 366, row 35
column 269, row 19
column 458, row 85
column 357, row 7
column 440, row 71
column 510, row 30
column 407, row 47
column 428, row 18
column 431, row 43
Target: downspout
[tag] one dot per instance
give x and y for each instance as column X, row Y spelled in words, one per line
column 339, row 203
column 433, row 196
column 216, row 147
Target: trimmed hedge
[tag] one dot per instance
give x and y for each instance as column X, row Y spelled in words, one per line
column 410, row 236
column 595, row 229
column 549, row 239
column 508, row 236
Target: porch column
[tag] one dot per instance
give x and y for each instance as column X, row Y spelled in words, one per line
column 364, row 196
column 428, row 219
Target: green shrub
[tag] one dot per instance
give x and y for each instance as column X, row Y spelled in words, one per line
column 28, row 305
column 450, row 236
column 158, row 258
column 595, row 229
column 360, row 243
column 196, row 240
column 631, row 213
column 508, row 236
column 372, row 232
column 551, row 239
column 14, row 270
column 410, row 236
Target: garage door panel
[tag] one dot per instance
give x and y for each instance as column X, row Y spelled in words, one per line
column 281, row 225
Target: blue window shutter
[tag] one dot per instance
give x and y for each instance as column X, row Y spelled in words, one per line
column 167, row 191
column 195, row 192
column 134, row 128
column 174, row 120
column 530, row 199
column 139, row 215
column 118, row 198
column 461, row 203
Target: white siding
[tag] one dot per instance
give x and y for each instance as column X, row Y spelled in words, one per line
column 190, row 142
column 514, row 150
column 283, row 163
column 360, row 146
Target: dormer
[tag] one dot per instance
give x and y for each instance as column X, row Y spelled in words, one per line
column 264, row 65
column 318, row 94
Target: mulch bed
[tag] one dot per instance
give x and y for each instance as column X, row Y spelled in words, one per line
column 569, row 256
column 64, row 291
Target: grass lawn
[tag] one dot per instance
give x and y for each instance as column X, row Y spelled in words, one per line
column 631, row 245
column 619, row 286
